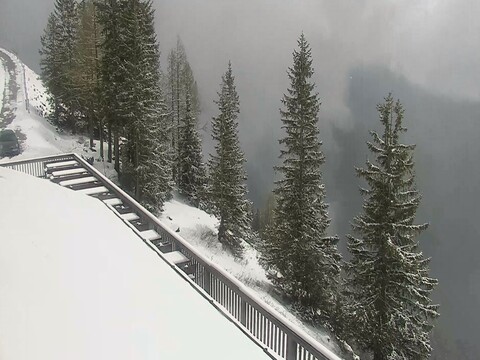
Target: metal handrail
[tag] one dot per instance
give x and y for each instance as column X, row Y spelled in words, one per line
column 260, row 321
column 35, row 166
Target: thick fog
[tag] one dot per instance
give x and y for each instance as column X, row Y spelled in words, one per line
column 426, row 52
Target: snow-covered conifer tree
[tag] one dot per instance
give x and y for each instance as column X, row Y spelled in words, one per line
column 299, row 256
column 192, row 175
column 180, row 81
column 155, row 167
column 112, row 72
column 143, row 108
column 50, row 65
column 58, row 46
column 227, row 189
column 388, row 284
column 86, row 69
column 134, row 103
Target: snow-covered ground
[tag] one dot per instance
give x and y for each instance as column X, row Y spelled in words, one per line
column 200, row 229
column 74, row 284
column 36, row 92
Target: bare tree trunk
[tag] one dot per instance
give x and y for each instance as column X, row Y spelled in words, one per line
column 90, row 130
column 109, row 151
column 97, row 76
column 116, row 141
column 138, row 185
column 100, row 129
column 221, row 231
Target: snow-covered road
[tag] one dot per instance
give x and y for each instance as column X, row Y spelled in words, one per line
column 2, row 83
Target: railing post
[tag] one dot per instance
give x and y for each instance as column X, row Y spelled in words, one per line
column 291, row 348
column 206, row 280
column 243, row 312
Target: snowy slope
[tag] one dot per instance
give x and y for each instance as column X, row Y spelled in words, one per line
column 36, row 92
column 69, row 293
column 200, row 230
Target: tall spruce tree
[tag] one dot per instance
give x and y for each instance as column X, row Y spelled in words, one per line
column 299, row 256
column 86, row 69
column 192, row 175
column 112, row 72
column 143, row 108
column 155, row 166
column 388, row 284
column 133, row 99
column 50, row 65
column 67, row 23
column 58, row 50
column 155, row 159
column 227, row 189
column 180, row 82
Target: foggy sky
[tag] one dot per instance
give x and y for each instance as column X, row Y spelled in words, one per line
column 427, row 52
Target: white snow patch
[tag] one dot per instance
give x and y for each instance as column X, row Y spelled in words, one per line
column 36, row 92
column 76, row 284
column 200, row 230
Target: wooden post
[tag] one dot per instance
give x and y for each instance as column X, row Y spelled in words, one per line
column 243, row 312
column 206, row 280
column 291, row 348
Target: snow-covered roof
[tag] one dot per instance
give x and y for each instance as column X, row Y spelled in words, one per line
column 75, row 285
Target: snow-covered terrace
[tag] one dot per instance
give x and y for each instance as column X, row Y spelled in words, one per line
column 75, row 282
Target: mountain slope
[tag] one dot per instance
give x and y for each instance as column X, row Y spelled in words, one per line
column 40, row 138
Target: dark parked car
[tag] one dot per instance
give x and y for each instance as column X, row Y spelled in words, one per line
column 9, row 145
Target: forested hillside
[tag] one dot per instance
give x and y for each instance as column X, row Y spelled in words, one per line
column 101, row 63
